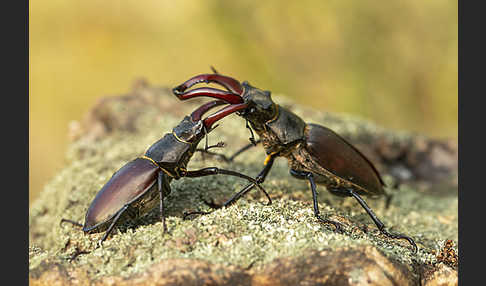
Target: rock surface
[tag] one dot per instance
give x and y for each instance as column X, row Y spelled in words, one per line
column 248, row 243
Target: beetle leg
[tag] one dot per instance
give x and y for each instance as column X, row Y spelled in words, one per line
column 309, row 176
column 206, row 146
column 196, row 115
column 110, row 228
column 215, row 171
column 229, row 159
column 218, row 145
column 213, row 118
column 218, row 171
column 160, row 181
column 260, row 179
column 379, row 224
column 252, row 138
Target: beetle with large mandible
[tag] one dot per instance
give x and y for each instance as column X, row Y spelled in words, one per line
column 143, row 183
column 314, row 152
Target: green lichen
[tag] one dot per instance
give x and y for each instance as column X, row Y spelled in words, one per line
column 247, row 233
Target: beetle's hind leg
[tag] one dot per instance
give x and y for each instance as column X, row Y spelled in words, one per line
column 110, row 228
column 376, row 220
column 309, row 176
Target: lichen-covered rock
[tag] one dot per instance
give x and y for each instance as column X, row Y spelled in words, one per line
column 438, row 275
column 341, row 266
column 248, row 243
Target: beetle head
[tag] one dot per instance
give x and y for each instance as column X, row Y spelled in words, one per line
column 261, row 107
column 189, row 130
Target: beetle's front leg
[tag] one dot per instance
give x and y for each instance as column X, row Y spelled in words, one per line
column 215, row 171
column 224, row 157
column 218, row 171
column 205, row 150
column 260, row 178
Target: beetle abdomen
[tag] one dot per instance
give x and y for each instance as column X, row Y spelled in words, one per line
column 342, row 159
column 126, row 185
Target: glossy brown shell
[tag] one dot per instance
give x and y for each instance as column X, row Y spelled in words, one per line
column 124, row 187
column 339, row 157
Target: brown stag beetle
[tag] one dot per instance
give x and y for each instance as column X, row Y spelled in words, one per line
column 138, row 186
column 314, row 152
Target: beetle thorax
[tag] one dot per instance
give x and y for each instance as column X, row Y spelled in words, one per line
column 173, row 151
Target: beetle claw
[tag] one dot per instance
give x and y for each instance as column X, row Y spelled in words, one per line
column 338, row 228
column 337, row 225
column 401, row 236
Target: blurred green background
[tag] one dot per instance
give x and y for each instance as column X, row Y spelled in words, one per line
column 392, row 62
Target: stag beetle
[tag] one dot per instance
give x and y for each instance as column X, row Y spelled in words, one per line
column 314, row 152
column 139, row 185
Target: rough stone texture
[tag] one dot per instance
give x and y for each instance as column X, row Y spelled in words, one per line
column 248, row 243
column 440, row 275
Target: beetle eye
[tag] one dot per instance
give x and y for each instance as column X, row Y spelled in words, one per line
column 182, row 172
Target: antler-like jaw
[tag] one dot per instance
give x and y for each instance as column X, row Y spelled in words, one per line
column 243, row 98
column 229, row 83
column 213, row 118
column 191, row 128
column 231, row 96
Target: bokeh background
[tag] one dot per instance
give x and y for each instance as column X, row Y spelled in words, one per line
column 392, row 62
